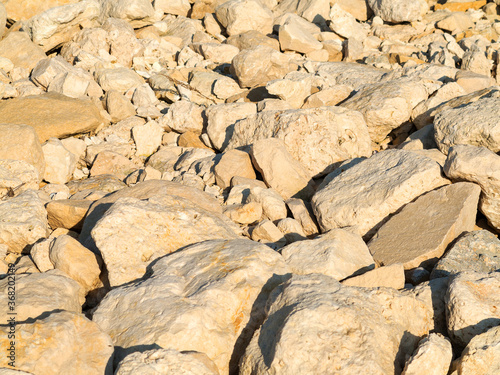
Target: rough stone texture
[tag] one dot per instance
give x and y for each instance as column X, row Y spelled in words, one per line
column 135, row 232
column 183, row 116
column 345, row 25
column 443, row 215
column 17, row 176
column 40, row 293
column 481, row 355
column 207, row 308
column 478, row 165
column 314, row 325
column 273, row 206
column 293, row 37
column 166, row 362
column 473, row 124
column 471, row 301
column 433, row 356
column 244, row 213
column 238, row 16
column 233, row 163
column 39, row 253
column 316, row 137
column 268, row 233
column 23, row 221
column 365, row 194
column 392, row 276
column 280, row 170
column 118, row 106
column 18, row 48
column 387, row 105
column 110, row 162
column 338, row 254
column 60, row 163
column 119, row 79
column 24, row 9
column 136, row 12
column 62, row 346
column 67, row 213
column 398, row 10
column 147, row 138
column 52, row 115
column 302, row 212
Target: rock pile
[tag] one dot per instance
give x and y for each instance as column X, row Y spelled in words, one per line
column 249, row 187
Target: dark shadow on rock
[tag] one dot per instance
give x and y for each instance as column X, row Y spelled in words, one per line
column 121, row 352
column 407, row 346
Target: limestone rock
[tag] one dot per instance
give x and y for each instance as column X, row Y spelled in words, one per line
column 292, row 230
column 251, row 39
column 136, row 12
column 20, row 50
column 268, row 233
column 312, row 10
column 23, row 221
column 183, row 116
column 76, row 356
column 135, row 232
column 472, row 124
column 302, row 212
column 39, row 293
column 342, row 134
column 17, row 176
column 60, row 163
column 338, row 254
column 206, row 308
column 166, row 362
column 293, row 37
column 244, row 213
column 433, row 356
column 118, row 106
column 345, row 25
column 398, row 10
column 233, row 163
column 443, row 215
column 238, row 16
column 294, row 88
column 481, row 355
column 280, row 170
column 392, row 276
column 52, row 115
column 109, row 162
column 273, row 206
column 352, row 330
column 25, row 9
column 365, row 194
column 216, row 52
column 479, row 165
column 475, row 251
column 147, row 138
column 178, row 7
column 119, row 79
column 471, row 302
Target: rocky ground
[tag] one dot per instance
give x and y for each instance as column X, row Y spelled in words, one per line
column 249, row 187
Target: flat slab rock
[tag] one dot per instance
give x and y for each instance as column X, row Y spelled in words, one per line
column 134, row 232
column 316, row 137
column 418, row 235
column 206, row 308
column 365, row 194
column 314, row 325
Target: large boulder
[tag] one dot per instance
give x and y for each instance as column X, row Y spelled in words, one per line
column 397, row 11
column 238, row 16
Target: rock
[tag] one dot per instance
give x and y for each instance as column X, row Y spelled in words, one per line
column 191, row 139
column 387, row 105
column 472, row 82
column 216, row 52
column 471, row 302
column 109, row 162
column 433, row 356
column 392, row 276
column 475, row 61
column 67, row 213
column 221, row 119
column 273, row 206
column 352, row 330
column 136, row 12
column 258, row 65
column 23, row 221
column 40, row 293
column 119, row 79
column 53, row 115
column 152, row 226
column 293, row 89
column 118, row 106
column 244, row 213
column 342, row 134
column 292, row 230
column 177, row 7
column 233, row 163
column 472, row 124
column 327, row 97
column 293, row 37
column 313, row 11
column 443, row 214
column 365, row 194
column 25, row 9
column 166, row 362
column 268, row 233
column 49, row 357
column 237, row 277
column 358, row 8
column 302, row 212
column 20, row 142
column 481, row 355
column 280, row 170
column 17, row 176
column 183, row 116
column 60, row 163
column 252, row 38
column 478, row 165
column 456, row 22
column 344, row 24
column 338, row 254
column 474, row 251
column 147, row 138
column 396, row 11
column 20, row 50
column 238, row 16
column 105, row 183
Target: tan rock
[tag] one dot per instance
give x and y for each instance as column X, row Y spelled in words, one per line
column 392, row 276
column 292, row 230
column 136, row 12
column 216, row 52
column 294, row 88
column 177, row 7
column 267, row 232
column 302, row 212
column 52, row 115
column 433, row 356
column 396, row 11
column 233, row 163
column 39, row 252
column 17, row 176
column 294, row 38
column 48, row 357
column 481, row 355
column 238, row 16
column 183, row 116
column 124, row 45
column 244, row 213
column 191, row 139
column 251, row 39
column 20, row 50
column 109, row 162
column 147, row 138
column 460, row 6
column 443, row 215
column 456, row 22
column 118, row 106
column 358, row 8
column 344, row 24
column 60, row 163
column 24, row 9
column 328, row 97
column 119, row 79
column 273, row 206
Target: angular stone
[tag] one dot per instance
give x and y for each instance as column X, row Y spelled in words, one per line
column 471, row 305
column 342, row 134
column 479, row 165
column 365, row 194
column 18, row 48
column 456, row 22
column 60, row 163
column 136, row 12
column 292, row 230
column 233, row 163
column 268, row 233
column 481, row 355
column 273, row 206
column 118, row 106
column 25, row 9
column 338, row 254
column 147, row 138
column 67, row 213
column 358, row 8
column 293, row 89
column 17, row 176
column 206, row 308
column 251, row 39
column 397, row 11
column 312, row 10
column 135, row 232
column 392, row 276
column 119, row 79
column 238, row 16
column 166, row 362
column 109, row 162
column 302, row 212
column 294, row 38
column 123, row 43
column 352, row 330
column 443, row 215
column 345, row 25
column 433, row 356
column 244, row 213
column 52, row 115
column 328, row 97
column 76, row 356
column 177, row 7
column 472, row 124
column 216, row 52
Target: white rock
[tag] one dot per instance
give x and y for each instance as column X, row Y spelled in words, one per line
column 216, row 52
column 292, row 89
column 238, row 16
column 398, row 10
column 119, row 79
column 205, row 308
column 433, row 356
column 60, row 163
column 294, row 38
column 147, row 138
column 273, row 206
column 183, row 116
column 345, row 25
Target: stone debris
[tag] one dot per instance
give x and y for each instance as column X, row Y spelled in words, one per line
column 250, row 186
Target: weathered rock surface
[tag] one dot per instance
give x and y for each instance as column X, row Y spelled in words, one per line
column 20, row 50
column 392, row 276
column 398, row 10
column 60, row 163
column 324, row 319
column 232, row 278
column 365, row 194
column 443, row 214
column 433, row 356
column 67, row 213
column 238, row 16
column 481, row 355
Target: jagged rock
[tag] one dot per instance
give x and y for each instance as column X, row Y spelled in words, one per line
column 398, row 10
column 233, row 163
column 302, row 212
column 110, row 162
column 118, row 106
column 67, row 213
column 17, row 176
column 183, row 116
column 236, row 276
column 60, row 163
column 392, row 276
column 345, row 25
column 147, row 138
column 293, row 37
column 433, row 356
column 136, row 12
column 268, row 233
column 273, row 206
column 481, row 355
column 238, row 16
column 119, row 79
